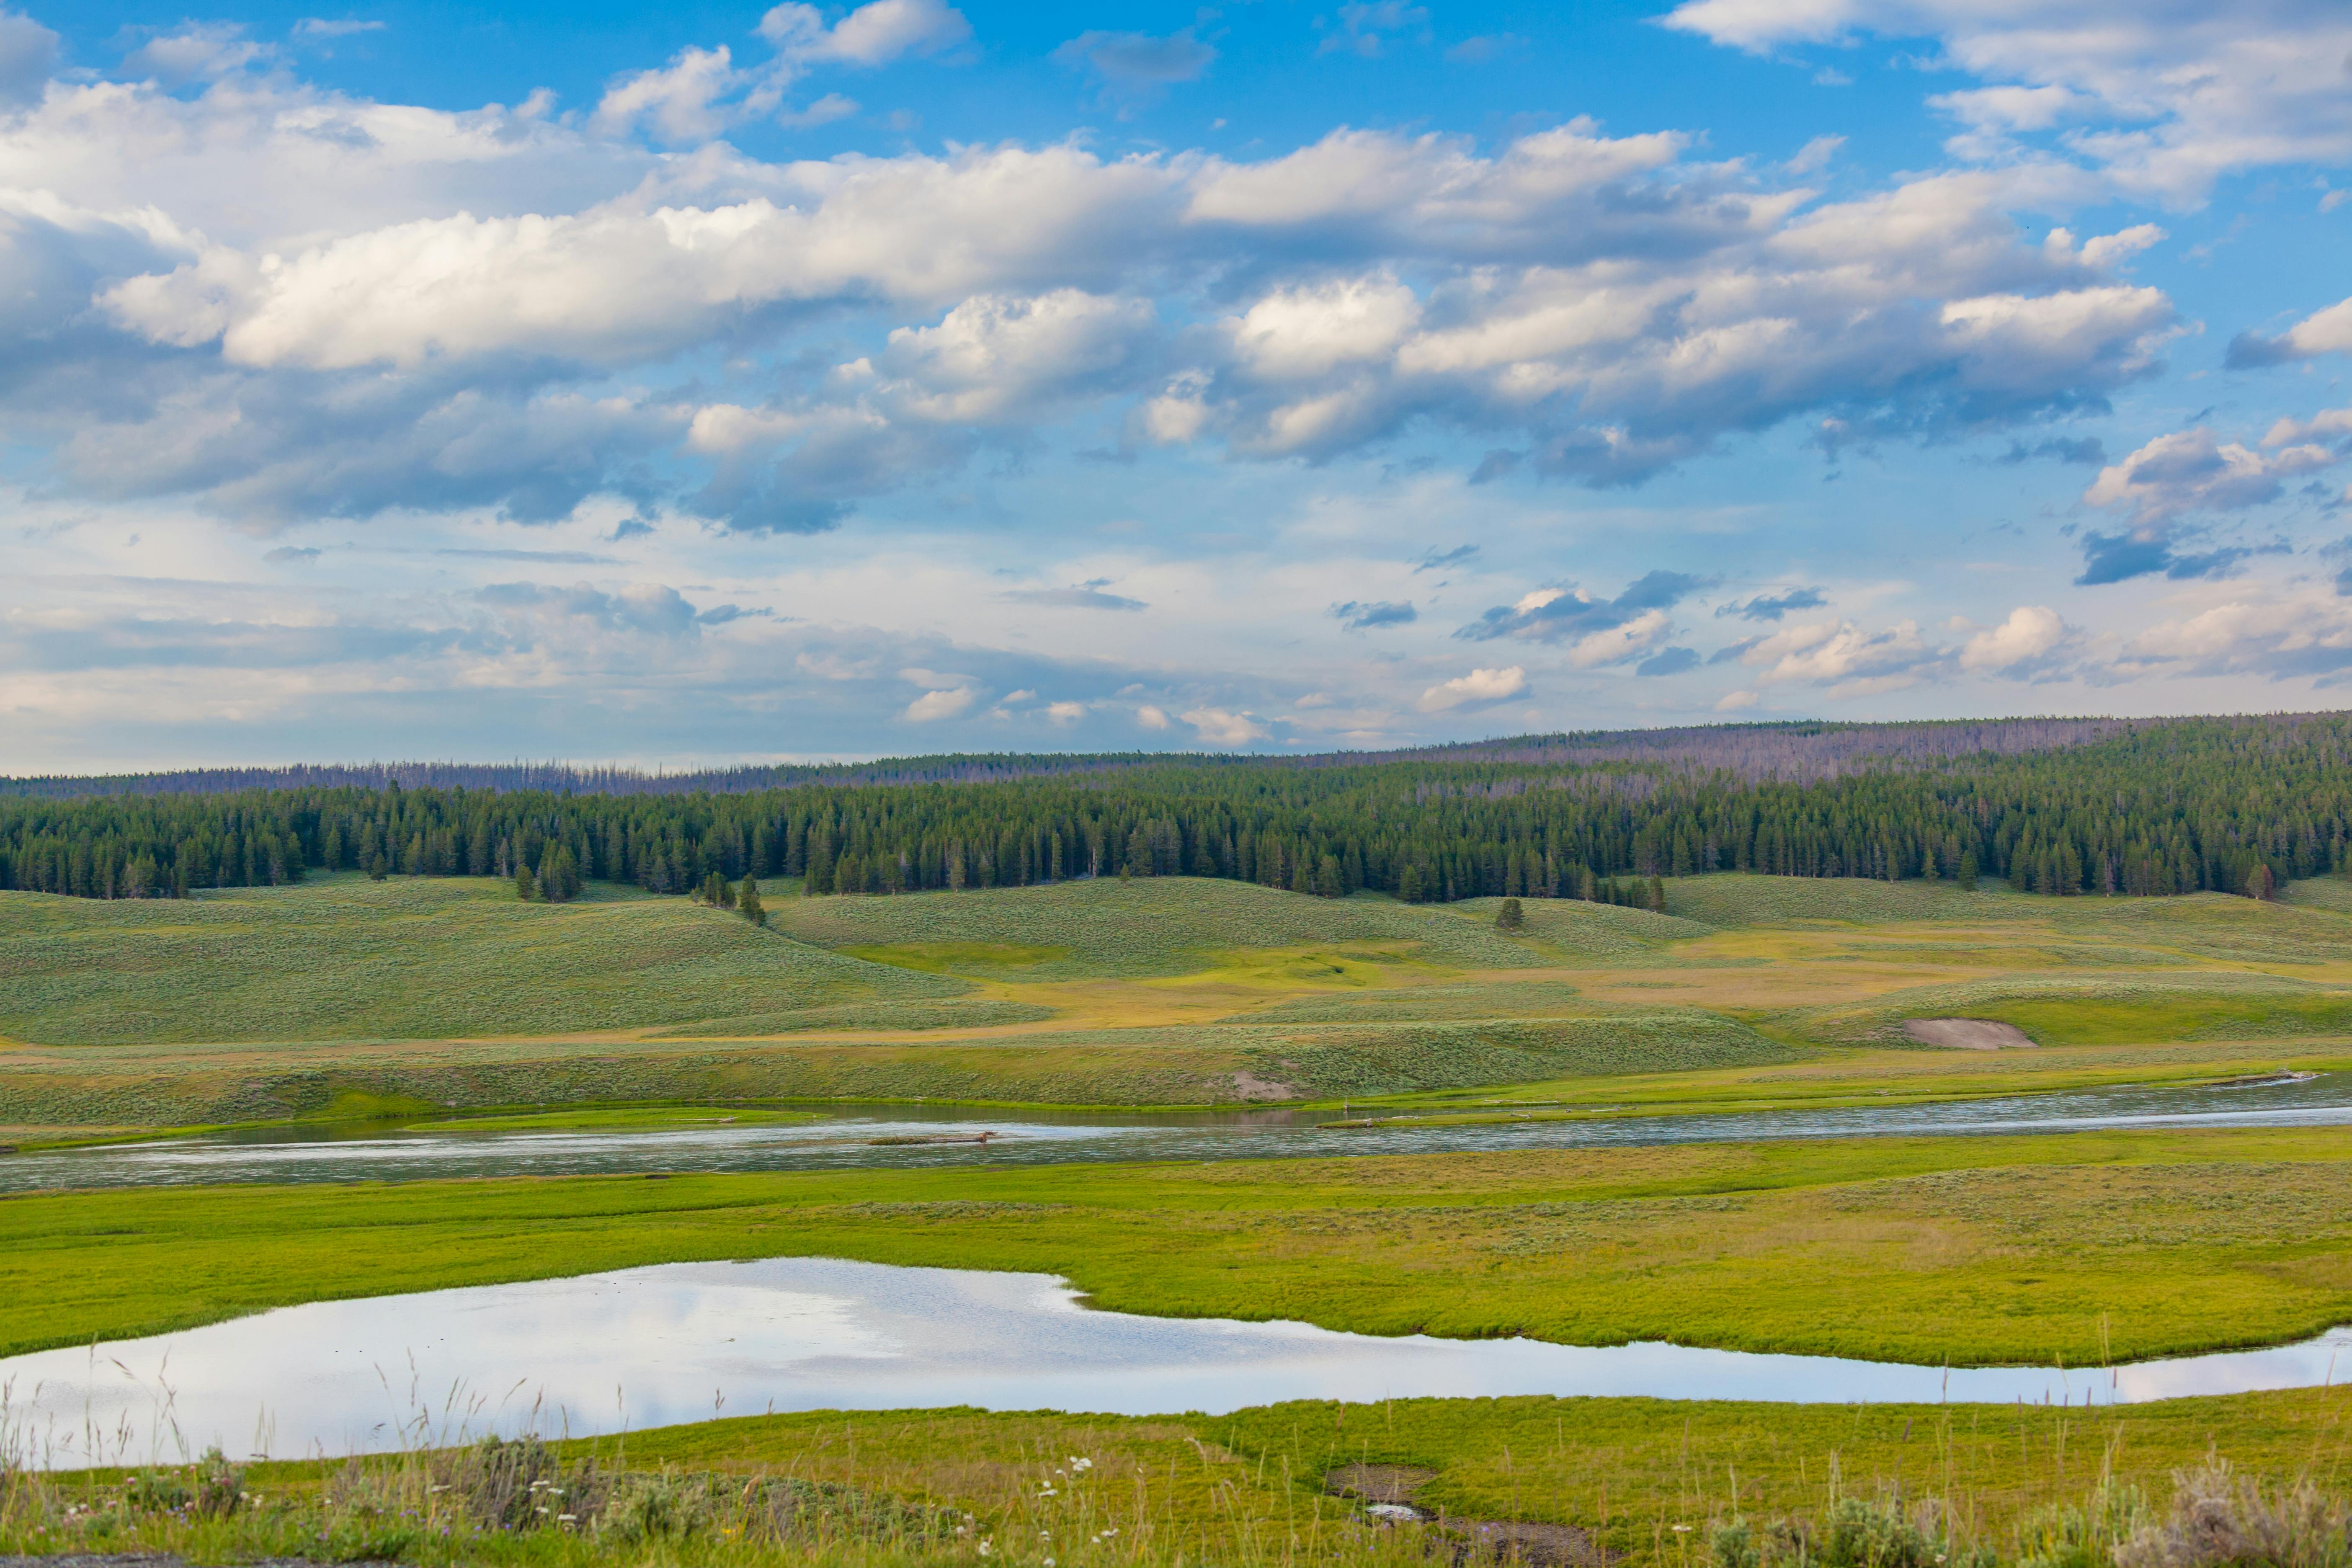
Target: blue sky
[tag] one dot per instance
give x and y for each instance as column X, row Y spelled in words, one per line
column 737, row 383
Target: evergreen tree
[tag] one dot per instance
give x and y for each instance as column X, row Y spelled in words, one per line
column 1511, row 916
column 1967, row 870
column 748, row 904
column 526, row 885
column 1655, row 899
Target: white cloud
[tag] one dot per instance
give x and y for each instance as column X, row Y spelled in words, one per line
column 2328, row 331
column 1298, row 333
column 1065, row 712
column 2165, row 95
column 2031, row 632
column 1151, row 718
column 2254, row 630
column 996, row 356
column 2193, row 470
column 702, row 93
column 196, row 50
column 28, row 52
column 1844, row 657
column 679, row 102
column 1220, row 726
column 1619, row 644
column 873, row 35
column 1475, row 690
column 1736, row 701
column 952, row 702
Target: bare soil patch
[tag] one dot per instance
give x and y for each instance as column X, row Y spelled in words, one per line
column 1968, row 1034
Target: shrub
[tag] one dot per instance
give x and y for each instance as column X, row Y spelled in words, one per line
column 2219, row 1518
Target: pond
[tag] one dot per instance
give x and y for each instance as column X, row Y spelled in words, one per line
column 645, row 1347
column 848, row 1136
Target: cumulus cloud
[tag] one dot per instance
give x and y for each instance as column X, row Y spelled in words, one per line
column 995, row 357
column 1847, row 659
column 2028, row 635
column 193, row 51
column 1221, row 727
column 701, row 93
column 2189, row 472
column 2193, row 470
column 28, row 53
column 1476, row 690
column 933, row 706
column 1620, row 309
column 2321, row 332
column 2165, row 95
column 872, row 35
column 2259, row 631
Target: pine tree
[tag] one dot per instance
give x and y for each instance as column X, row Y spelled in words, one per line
column 748, row 904
column 526, row 885
column 1967, row 870
column 1511, row 916
column 1655, row 903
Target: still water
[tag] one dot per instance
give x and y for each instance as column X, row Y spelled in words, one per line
column 647, row 1347
column 843, row 1137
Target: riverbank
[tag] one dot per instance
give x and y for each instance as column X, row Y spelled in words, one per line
column 2117, row 1245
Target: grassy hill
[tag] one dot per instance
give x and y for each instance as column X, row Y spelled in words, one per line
column 347, row 959
column 346, row 993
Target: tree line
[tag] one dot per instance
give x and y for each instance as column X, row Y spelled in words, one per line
column 2210, row 805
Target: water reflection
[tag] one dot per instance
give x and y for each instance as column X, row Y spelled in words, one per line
column 647, row 1347
column 843, row 1137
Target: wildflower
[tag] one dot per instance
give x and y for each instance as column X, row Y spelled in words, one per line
column 574, row 1518
column 1078, row 1464
column 984, row 1549
column 1682, row 1529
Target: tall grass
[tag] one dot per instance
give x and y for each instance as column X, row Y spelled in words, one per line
column 528, row 1502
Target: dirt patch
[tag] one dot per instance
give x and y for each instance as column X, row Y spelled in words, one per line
column 1537, row 1545
column 1378, row 1483
column 1968, row 1034
column 1248, row 1086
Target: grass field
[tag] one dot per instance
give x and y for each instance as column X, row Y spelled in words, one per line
column 411, row 996
column 1962, row 1250
column 426, row 1001
column 1644, row 1481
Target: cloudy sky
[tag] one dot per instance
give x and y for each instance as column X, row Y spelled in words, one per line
column 701, row 382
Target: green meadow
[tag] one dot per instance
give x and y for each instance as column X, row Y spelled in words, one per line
column 2092, row 1246
column 345, row 997
column 448, row 1004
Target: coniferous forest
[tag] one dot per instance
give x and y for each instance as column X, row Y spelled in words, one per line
column 2068, row 807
